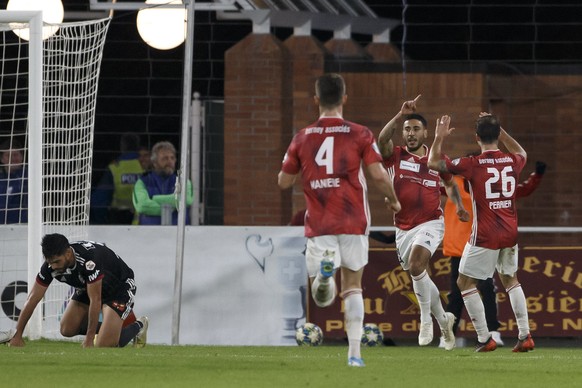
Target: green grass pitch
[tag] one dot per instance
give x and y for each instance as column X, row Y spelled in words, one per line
column 65, row 364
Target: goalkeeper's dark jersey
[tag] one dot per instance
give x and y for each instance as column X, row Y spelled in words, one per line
column 93, row 262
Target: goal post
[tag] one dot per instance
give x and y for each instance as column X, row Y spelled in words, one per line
column 48, row 93
column 34, row 116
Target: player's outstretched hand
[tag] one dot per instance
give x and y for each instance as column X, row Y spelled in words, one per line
column 442, row 126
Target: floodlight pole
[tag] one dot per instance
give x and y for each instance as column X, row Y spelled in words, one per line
column 183, row 176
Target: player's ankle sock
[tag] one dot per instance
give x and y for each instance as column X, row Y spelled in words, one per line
column 436, row 306
column 323, row 291
column 354, row 316
column 519, row 306
column 421, row 286
column 128, row 333
column 476, row 310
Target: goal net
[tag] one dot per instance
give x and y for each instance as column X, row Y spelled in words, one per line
column 45, row 171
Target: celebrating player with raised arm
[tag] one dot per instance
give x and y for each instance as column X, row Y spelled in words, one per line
column 492, row 177
column 419, row 225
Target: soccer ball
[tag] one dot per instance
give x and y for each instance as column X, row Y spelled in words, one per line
column 372, row 335
column 309, row 334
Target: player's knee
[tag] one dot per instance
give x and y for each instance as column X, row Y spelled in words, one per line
column 68, row 330
column 417, row 267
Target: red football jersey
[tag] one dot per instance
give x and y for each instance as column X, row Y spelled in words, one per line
column 493, row 178
column 329, row 154
column 417, row 188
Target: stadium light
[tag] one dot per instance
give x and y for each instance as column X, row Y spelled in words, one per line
column 162, row 28
column 52, row 13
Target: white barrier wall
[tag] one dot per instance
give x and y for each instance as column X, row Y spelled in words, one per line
column 241, row 285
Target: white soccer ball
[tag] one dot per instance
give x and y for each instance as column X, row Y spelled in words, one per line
column 309, row 334
column 372, row 335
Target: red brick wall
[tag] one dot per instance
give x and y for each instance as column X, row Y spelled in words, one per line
column 257, row 123
column 269, row 87
column 308, row 58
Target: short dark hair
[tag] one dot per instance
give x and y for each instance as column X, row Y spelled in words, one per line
column 488, row 129
column 330, row 88
column 416, row 116
column 54, row 245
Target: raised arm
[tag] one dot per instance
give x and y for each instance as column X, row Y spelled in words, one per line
column 441, row 132
column 511, row 144
column 385, row 138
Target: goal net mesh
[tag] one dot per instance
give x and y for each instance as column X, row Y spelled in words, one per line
column 70, row 74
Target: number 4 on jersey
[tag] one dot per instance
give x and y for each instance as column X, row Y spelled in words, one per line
column 324, row 155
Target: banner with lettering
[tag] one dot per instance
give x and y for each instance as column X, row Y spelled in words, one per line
column 550, row 276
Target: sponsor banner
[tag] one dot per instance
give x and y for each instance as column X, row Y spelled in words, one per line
column 551, row 279
column 248, row 286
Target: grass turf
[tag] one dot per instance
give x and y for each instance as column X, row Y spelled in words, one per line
column 66, row 364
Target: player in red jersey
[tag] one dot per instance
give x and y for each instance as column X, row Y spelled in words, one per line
column 330, row 154
column 456, row 236
column 419, row 225
column 492, row 177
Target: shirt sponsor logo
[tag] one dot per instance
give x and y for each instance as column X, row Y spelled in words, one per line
column 94, row 276
column 404, row 165
column 90, row 265
column 433, row 172
column 429, row 183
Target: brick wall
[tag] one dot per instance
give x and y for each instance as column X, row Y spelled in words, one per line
column 257, row 119
column 268, row 96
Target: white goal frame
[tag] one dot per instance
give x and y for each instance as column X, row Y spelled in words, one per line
column 61, row 89
column 35, row 108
